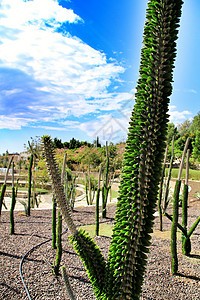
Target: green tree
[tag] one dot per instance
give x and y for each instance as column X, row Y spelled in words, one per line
column 58, row 143
column 196, row 146
column 171, row 131
column 184, row 128
column 195, row 126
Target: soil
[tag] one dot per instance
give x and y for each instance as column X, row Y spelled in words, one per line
column 37, row 265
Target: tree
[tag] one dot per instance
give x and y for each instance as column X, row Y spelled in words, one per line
column 184, row 128
column 58, row 143
column 171, row 131
column 195, row 126
column 196, row 146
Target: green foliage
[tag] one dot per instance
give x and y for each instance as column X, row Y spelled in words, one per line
column 72, row 144
column 196, row 146
column 195, row 126
column 171, row 132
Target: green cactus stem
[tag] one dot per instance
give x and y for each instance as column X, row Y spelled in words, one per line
column 29, row 185
column 186, row 244
column 3, row 188
column 166, row 196
column 174, row 264
column 13, row 202
column 67, row 283
column 106, row 186
column 58, row 245
column 97, row 205
column 54, row 223
column 161, row 190
column 86, row 189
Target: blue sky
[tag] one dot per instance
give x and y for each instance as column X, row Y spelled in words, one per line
column 70, row 68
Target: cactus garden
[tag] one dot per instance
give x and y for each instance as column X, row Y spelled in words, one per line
column 116, row 227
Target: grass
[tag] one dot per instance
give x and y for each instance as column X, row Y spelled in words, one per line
column 114, row 194
column 37, row 190
column 104, row 229
column 193, row 174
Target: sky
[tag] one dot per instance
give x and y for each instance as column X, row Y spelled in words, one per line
column 69, row 68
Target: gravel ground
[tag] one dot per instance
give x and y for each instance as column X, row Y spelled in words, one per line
column 37, row 270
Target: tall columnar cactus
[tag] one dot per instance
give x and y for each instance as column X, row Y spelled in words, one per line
column 29, row 184
column 174, row 265
column 186, row 244
column 53, row 224
column 13, row 202
column 186, row 235
column 97, row 205
column 58, row 245
column 106, row 185
column 161, row 189
column 122, row 276
column 3, row 188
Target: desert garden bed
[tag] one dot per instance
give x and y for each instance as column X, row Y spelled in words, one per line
column 37, row 270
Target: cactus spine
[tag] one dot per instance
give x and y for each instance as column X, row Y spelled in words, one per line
column 122, row 276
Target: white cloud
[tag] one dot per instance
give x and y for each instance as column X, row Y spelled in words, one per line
column 178, row 117
column 107, row 128
column 10, row 92
column 69, row 71
column 13, row 122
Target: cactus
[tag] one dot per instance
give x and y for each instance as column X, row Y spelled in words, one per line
column 161, row 189
column 97, row 205
column 67, row 283
column 29, row 184
column 3, row 188
column 106, row 186
column 186, row 243
column 13, row 201
column 54, row 223
column 58, row 245
column 166, row 198
column 162, row 207
column 121, row 276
